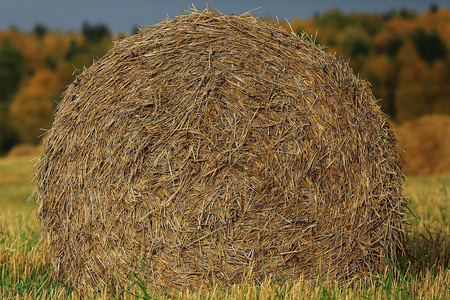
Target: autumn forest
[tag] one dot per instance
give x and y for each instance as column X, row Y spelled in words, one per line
column 404, row 55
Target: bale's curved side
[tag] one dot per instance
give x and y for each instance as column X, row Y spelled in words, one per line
column 218, row 148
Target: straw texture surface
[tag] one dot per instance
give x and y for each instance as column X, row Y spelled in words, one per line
column 214, row 148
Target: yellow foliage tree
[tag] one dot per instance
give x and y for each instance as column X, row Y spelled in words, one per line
column 381, row 73
column 409, row 95
column 32, row 107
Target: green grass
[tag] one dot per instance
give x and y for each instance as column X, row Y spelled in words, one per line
column 26, row 274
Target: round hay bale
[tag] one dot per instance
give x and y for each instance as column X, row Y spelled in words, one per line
column 24, row 150
column 427, row 145
column 213, row 148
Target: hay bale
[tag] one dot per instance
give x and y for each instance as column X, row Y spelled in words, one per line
column 218, row 148
column 23, row 150
column 427, row 145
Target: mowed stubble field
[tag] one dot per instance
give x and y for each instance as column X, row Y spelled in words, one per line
column 425, row 274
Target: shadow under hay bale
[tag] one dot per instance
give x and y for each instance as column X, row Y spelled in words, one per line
column 213, row 148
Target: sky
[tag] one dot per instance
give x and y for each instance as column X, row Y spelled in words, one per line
column 124, row 15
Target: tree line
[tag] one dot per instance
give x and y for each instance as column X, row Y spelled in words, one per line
column 35, row 68
column 403, row 54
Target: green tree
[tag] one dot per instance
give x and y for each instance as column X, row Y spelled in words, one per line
column 429, row 45
column 135, row 29
column 394, row 45
column 332, row 19
column 40, row 30
column 402, row 13
column 433, row 8
column 356, row 43
column 73, row 49
column 12, row 70
column 382, row 74
column 95, row 32
column 8, row 138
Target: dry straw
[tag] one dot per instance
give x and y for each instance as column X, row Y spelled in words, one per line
column 214, row 148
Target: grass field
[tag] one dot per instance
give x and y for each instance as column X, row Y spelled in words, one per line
column 25, row 273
